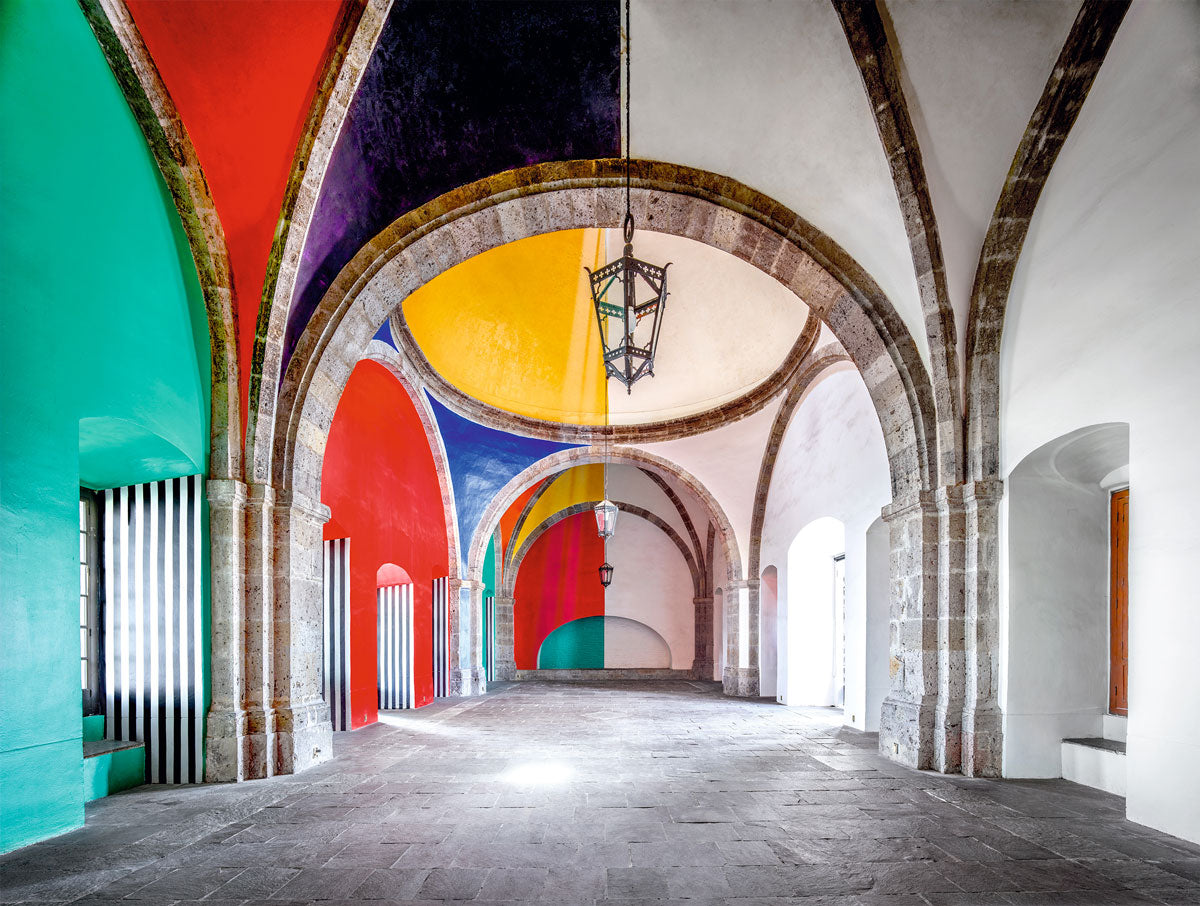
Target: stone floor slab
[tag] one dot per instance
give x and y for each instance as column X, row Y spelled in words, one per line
column 577, row 795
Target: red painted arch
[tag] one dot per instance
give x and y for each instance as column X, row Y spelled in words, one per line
column 557, row 583
column 380, row 481
column 242, row 74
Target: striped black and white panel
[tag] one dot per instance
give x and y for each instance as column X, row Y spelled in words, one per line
column 441, row 638
column 489, row 635
column 395, row 643
column 337, row 632
column 153, row 624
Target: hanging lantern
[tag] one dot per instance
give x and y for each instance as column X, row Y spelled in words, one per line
column 606, row 572
column 606, row 518
column 629, row 296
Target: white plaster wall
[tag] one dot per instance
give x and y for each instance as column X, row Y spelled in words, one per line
column 628, row 643
column 972, row 74
column 769, row 94
column 1056, row 622
column 726, row 461
column 807, row 652
column 876, row 635
column 652, row 585
column 1103, row 325
column 629, row 484
column 832, row 462
column 718, row 634
column 768, row 641
column 699, row 514
column 719, row 308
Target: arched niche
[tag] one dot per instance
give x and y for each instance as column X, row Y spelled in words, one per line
column 1054, row 617
column 812, row 631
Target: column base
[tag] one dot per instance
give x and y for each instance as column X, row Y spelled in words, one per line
column 235, row 746
column 299, row 738
column 983, row 742
column 740, row 682
column 947, row 737
column 702, row 671
column 505, row 671
column 906, row 732
column 468, row 681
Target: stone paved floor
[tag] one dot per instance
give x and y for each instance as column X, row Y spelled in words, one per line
column 582, row 794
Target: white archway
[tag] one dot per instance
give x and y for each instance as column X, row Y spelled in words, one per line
column 811, row 648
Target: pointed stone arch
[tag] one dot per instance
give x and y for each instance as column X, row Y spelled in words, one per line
column 514, row 205
column 682, row 201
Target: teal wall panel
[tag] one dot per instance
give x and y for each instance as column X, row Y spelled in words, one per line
column 104, row 374
column 578, row 645
column 112, row 772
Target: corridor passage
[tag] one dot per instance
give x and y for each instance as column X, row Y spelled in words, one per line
column 623, row 792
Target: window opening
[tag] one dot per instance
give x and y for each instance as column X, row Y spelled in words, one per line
column 1118, row 596
column 839, row 629
column 89, row 603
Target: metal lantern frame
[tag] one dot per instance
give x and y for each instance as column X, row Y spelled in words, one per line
column 606, row 512
column 615, row 290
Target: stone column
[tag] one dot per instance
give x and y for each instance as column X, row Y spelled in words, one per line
column 947, row 734
column 908, row 714
column 741, row 638
column 506, row 667
column 258, row 636
column 702, row 660
column 982, row 722
column 226, row 742
column 465, row 604
column 299, row 733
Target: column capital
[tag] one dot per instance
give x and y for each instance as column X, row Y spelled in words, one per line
column 949, row 495
column 260, row 493
column 305, row 505
column 225, row 491
column 907, row 504
column 986, row 491
column 741, row 584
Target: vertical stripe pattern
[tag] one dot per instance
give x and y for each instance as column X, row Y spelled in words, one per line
column 489, row 636
column 397, row 686
column 153, row 624
column 441, row 638
column 336, row 662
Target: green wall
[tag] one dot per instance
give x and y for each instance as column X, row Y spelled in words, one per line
column 104, row 374
column 489, row 570
column 578, row 645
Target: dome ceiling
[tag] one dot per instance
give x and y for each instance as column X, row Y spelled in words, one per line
column 515, row 329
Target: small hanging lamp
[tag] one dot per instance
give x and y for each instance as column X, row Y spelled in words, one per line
column 606, row 510
column 629, row 295
column 606, row 517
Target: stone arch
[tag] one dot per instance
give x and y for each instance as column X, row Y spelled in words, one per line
column 577, row 194
column 358, row 30
column 395, row 367
column 1067, row 88
column 809, row 375
column 646, row 432
column 509, row 580
column 163, row 128
column 517, row 204
column 236, row 680
column 565, row 459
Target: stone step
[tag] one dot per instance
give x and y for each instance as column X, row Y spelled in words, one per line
column 1095, row 762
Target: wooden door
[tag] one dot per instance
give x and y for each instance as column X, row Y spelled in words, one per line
column 1118, row 596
